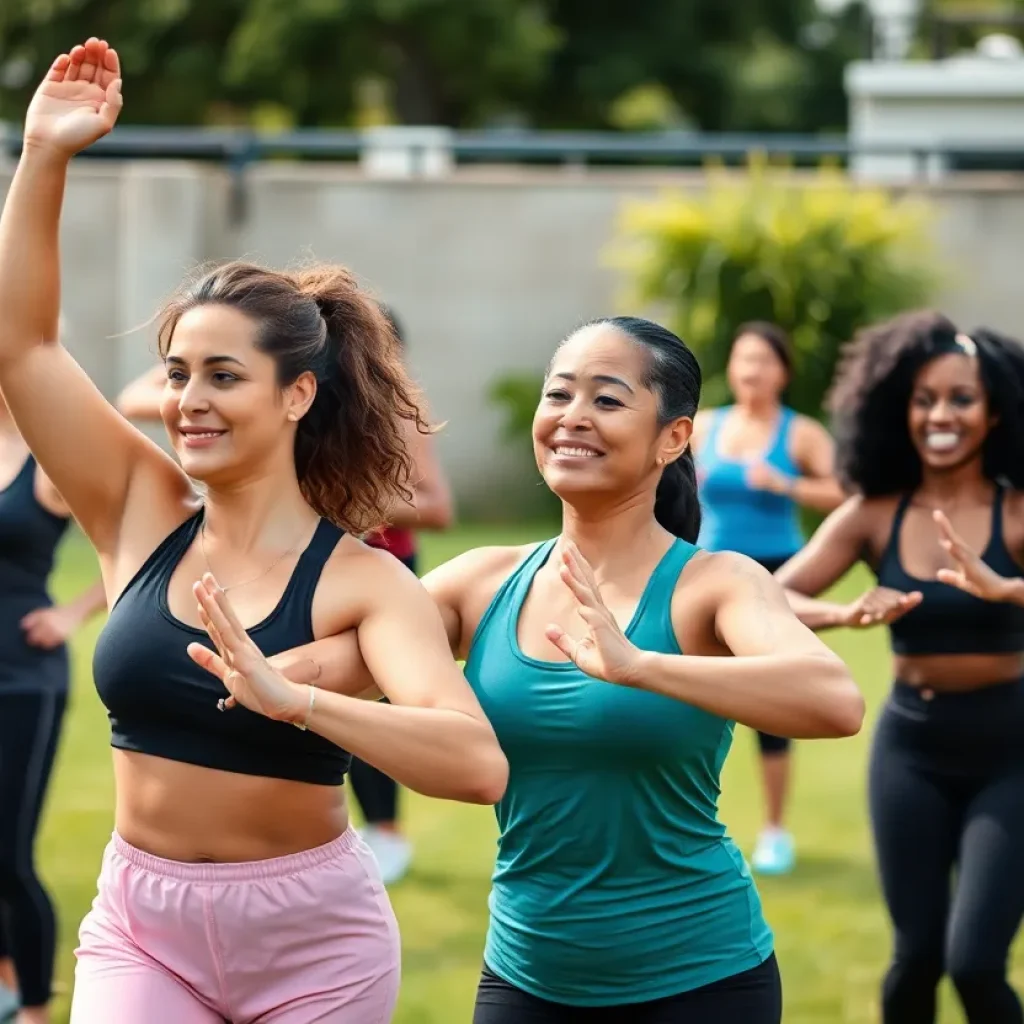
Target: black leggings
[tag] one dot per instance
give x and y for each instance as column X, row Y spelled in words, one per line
column 29, row 730
column 753, row 997
column 947, row 794
column 376, row 792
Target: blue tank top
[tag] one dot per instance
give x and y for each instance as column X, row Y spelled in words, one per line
column 29, row 535
column 737, row 517
column 615, row 881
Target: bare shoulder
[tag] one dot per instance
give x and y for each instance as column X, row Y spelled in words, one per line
column 477, row 572
column 807, row 430
column 720, row 574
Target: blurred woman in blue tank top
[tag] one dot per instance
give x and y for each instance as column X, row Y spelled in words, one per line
column 758, row 462
column 613, row 661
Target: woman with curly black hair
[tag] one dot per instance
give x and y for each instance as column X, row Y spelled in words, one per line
column 930, row 430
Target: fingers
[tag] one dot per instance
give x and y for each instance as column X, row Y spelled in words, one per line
column 75, row 60
column 215, row 622
column 113, row 101
column 224, row 606
column 59, row 69
column 954, row 578
column 566, row 644
column 212, row 662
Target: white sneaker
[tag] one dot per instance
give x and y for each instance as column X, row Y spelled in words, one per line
column 392, row 850
column 775, row 853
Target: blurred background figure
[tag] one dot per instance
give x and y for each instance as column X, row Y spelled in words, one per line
column 34, row 680
column 758, row 462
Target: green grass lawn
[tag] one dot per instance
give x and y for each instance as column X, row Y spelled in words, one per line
column 832, row 935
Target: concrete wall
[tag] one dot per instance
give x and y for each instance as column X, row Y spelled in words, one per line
column 488, row 269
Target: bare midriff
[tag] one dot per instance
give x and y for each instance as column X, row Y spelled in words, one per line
column 958, row 672
column 187, row 813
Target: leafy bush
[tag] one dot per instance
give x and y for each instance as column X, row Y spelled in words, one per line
column 820, row 256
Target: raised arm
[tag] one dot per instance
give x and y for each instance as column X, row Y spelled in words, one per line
column 837, row 545
column 65, row 420
column 783, row 680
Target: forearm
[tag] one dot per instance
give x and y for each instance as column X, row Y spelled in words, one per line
column 441, row 753
column 334, row 663
column 1014, row 592
column 814, row 613
column 89, row 603
column 29, row 253
column 427, row 511
column 805, row 696
column 820, row 493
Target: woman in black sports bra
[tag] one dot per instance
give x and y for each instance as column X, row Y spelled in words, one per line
column 930, row 429
column 233, row 887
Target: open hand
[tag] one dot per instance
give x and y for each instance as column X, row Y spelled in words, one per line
column 48, row 628
column 878, row 607
column 239, row 664
column 78, row 101
column 762, row 477
column 971, row 573
column 604, row 652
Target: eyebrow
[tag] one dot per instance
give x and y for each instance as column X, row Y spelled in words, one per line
column 601, row 378
column 208, row 361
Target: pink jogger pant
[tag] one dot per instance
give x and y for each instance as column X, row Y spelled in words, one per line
column 294, row 940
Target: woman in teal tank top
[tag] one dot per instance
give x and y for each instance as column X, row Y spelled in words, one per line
column 613, row 662
column 758, row 463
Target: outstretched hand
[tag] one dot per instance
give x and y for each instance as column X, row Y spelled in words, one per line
column 238, row 663
column 79, row 100
column 604, row 652
column 879, row 607
column 971, row 573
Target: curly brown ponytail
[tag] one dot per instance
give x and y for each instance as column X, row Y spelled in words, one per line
column 351, row 456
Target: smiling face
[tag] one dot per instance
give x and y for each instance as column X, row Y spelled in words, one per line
column 755, row 372
column 596, row 429
column 222, row 407
column 948, row 415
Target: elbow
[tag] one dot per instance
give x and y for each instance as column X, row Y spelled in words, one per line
column 435, row 513
column 487, row 777
column 844, row 711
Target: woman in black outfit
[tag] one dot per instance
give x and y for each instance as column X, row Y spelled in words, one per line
column 930, row 430
column 33, row 693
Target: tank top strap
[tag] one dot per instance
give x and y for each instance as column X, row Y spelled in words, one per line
column 891, row 552
column 160, row 565
column 666, row 574
column 652, row 621
column 520, row 581
column 310, row 565
column 997, row 514
column 708, row 448
column 779, row 449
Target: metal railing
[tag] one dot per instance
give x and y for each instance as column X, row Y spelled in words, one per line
column 241, row 147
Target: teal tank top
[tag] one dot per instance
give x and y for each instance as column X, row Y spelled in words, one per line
column 615, row 881
column 736, row 517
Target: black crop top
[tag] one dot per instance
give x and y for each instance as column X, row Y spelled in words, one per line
column 29, row 535
column 949, row 620
column 161, row 703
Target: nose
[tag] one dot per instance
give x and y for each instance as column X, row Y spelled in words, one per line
column 941, row 412
column 193, row 397
column 575, row 415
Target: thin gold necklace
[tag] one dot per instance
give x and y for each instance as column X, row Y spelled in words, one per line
column 234, row 586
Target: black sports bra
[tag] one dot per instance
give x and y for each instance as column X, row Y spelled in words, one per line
column 160, row 702
column 949, row 620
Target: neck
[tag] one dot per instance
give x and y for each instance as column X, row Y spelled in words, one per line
column 250, row 515
column 760, row 409
column 612, row 537
column 965, row 484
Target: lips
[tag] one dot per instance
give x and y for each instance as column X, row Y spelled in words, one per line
column 199, row 437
